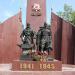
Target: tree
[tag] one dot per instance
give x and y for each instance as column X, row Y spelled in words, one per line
column 68, row 14
column 73, row 18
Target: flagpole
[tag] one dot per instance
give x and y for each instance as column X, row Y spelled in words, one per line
column 51, row 6
column 20, row 6
column 51, row 12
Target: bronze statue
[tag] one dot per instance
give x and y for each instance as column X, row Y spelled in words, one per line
column 27, row 37
column 44, row 39
column 43, row 42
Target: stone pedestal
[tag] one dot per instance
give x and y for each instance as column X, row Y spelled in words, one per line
column 21, row 65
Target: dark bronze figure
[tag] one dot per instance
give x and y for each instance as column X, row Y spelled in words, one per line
column 27, row 38
column 43, row 43
column 44, row 39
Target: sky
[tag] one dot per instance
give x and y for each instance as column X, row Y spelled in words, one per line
column 9, row 8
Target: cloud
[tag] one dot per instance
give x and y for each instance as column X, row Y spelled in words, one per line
column 5, row 15
column 13, row 1
column 24, row 3
column 8, row 14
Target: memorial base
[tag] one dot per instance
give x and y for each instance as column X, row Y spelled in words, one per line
column 21, row 65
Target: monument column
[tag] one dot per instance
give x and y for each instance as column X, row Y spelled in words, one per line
column 36, row 13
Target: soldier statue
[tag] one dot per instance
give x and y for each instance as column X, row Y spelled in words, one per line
column 44, row 39
column 27, row 37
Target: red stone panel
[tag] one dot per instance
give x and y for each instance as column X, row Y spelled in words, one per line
column 56, row 27
column 74, row 56
column 36, row 21
column 67, row 49
column 1, row 39
column 1, row 30
column 36, row 65
column 73, row 40
column 63, row 37
column 9, row 50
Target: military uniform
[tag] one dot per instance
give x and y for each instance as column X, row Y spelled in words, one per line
column 44, row 39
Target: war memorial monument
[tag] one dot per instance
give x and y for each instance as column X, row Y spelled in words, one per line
column 38, row 46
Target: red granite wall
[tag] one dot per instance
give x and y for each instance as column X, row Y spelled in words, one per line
column 12, row 28
column 74, row 56
column 73, row 37
column 1, row 39
column 56, row 27
column 67, row 46
column 63, row 39
column 1, row 30
column 36, row 21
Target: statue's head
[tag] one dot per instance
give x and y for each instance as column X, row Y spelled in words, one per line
column 28, row 25
column 45, row 24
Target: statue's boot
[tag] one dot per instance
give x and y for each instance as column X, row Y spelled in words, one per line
column 19, row 45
